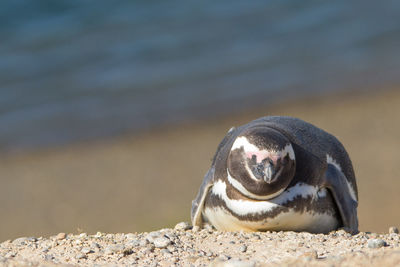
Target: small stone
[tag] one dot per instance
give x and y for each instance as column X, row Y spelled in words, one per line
column 166, row 251
column 152, row 236
column 256, row 236
column 127, row 251
column 233, row 263
column 61, row 236
column 98, row 234
column 143, row 242
column 45, row 249
column 393, row 230
column 182, row 226
column 86, row 250
column 32, row 239
column 80, row 256
column 376, row 243
column 192, row 259
column 133, row 243
column 171, row 248
column 223, row 257
column 310, row 255
column 10, row 254
column 161, row 242
column 149, row 250
column 111, row 249
column 20, row 241
column 94, row 245
column 48, row 257
column 130, row 236
column 243, row 248
column 5, row 243
column 83, row 235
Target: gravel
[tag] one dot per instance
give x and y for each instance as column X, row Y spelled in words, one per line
column 184, row 246
column 161, row 242
column 61, row 236
column 376, row 243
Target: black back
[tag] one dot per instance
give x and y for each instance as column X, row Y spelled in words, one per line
column 311, row 146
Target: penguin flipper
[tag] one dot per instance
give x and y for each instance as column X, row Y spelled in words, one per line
column 198, row 202
column 337, row 184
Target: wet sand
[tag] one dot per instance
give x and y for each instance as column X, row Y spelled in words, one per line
column 147, row 181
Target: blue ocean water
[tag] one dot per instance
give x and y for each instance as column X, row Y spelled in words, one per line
column 74, row 70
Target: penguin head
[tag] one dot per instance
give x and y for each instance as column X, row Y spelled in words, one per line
column 261, row 163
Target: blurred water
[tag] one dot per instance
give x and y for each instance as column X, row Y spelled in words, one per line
column 74, row 70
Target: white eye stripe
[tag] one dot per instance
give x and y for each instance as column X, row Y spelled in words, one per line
column 249, row 147
column 243, row 142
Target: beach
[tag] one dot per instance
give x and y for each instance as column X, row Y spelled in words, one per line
column 146, row 181
column 187, row 246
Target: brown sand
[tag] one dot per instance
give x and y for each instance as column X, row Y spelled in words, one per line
column 147, row 181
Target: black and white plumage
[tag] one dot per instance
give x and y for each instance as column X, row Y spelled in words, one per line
column 278, row 173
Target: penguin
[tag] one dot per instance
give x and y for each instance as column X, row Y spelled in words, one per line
column 278, row 173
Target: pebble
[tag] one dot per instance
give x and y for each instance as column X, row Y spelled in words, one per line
column 183, row 226
column 80, row 256
column 133, row 243
column 94, row 245
column 10, row 254
column 393, row 230
column 61, row 236
column 153, row 235
column 98, row 234
column 161, row 242
column 376, row 243
column 166, row 251
column 143, row 242
column 224, row 257
column 130, row 236
column 20, row 241
column 310, row 255
column 243, row 248
column 149, row 250
column 111, row 249
column 32, row 239
column 86, row 250
column 83, row 235
column 48, row 257
column 233, row 263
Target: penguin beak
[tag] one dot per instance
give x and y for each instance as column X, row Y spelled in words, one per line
column 265, row 170
column 268, row 173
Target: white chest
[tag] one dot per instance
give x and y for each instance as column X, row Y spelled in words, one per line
column 275, row 217
column 286, row 221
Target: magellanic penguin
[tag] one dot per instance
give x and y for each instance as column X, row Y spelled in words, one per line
column 278, row 173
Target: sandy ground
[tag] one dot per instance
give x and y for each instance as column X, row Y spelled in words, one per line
column 147, row 181
column 183, row 246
